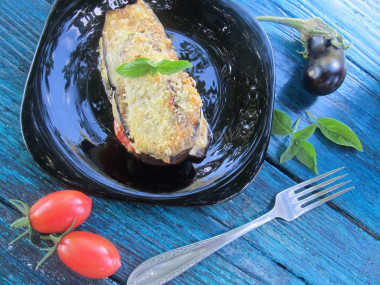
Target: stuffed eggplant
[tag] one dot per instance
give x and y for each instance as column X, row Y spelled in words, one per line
column 157, row 118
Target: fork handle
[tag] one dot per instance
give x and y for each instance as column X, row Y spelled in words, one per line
column 168, row 265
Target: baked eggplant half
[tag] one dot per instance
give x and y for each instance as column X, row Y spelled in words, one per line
column 158, row 118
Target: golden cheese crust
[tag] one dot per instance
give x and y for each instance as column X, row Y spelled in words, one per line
column 162, row 113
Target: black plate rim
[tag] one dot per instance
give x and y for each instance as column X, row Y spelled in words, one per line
column 169, row 198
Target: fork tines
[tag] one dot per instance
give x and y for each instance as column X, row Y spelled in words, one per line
column 302, row 198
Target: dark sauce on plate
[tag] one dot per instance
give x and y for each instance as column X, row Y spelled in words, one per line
column 67, row 120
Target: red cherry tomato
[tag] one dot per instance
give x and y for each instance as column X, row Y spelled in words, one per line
column 55, row 212
column 89, row 254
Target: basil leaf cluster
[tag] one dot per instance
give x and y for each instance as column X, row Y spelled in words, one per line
column 303, row 150
column 142, row 66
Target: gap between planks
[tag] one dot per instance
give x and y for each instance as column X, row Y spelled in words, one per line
column 257, row 249
column 264, row 254
column 332, row 205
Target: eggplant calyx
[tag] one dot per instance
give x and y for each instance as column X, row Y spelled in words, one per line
column 308, row 28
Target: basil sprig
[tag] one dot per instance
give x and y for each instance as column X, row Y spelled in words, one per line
column 142, row 66
column 303, row 150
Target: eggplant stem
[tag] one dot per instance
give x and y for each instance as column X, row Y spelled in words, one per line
column 308, row 28
column 291, row 22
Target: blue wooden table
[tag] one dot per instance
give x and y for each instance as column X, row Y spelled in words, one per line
column 337, row 243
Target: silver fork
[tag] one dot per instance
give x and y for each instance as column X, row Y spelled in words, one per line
column 289, row 205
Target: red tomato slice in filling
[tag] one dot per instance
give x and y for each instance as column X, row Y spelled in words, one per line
column 122, row 138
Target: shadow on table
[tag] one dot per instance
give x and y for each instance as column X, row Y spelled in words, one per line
column 294, row 94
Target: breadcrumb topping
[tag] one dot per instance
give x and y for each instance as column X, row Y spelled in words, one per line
column 163, row 112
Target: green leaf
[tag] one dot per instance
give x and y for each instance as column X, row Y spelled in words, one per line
column 135, row 69
column 142, row 59
column 281, row 124
column 307, row 155
column 339, row 133
column 152, row 63
column 153, row 71
column 142, row 66
column 168, row 67
column 305, row 133
column 290, row 152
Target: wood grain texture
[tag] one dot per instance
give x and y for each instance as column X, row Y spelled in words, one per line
column 356, row 102
column 335, row 244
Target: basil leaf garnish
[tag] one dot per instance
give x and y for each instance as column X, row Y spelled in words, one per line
column 307, row 155
column 134, row 69
column 290, row 152
column 339, row 133
column 142, row 66
column 281, row 124
column 168, row 67
column 304, row 151
column 306, row 132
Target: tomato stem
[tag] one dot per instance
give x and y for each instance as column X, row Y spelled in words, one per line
column 21, row 206
column 50, row 252
column 55, row 239
column 308, row 28
column 28, row 231
column 22, row 222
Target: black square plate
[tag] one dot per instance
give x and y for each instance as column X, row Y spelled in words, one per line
column 67, row 119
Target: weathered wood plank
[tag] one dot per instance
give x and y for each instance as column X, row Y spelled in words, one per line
column 141, row 231
column 20, row 31
column 20, row 259
column 321, row 247
column 305, row 251
column 355, row 103
column 317, row 252
column 164, row 228
column 355, row 19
